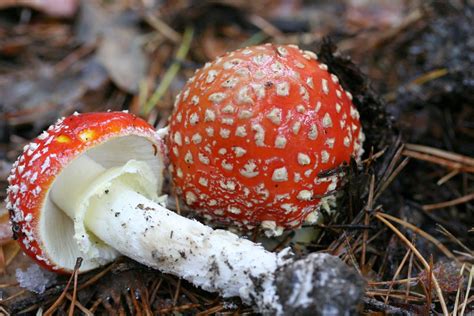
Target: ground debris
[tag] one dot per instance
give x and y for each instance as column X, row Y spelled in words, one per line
column 37, row 98
column 119, row 49
column 35, row 279
column 332, row 287
column 405, row 211
column 447, row 274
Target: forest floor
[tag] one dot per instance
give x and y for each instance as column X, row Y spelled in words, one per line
column 405, row 221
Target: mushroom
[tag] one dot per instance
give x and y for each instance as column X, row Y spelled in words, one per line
column 253, row 132
column 87, row 187
column 81, row 146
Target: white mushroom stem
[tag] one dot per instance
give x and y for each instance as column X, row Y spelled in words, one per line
column 140, row 228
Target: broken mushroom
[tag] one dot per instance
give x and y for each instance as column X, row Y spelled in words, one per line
column 253, row 131
column 87, row 187
column 82, row 146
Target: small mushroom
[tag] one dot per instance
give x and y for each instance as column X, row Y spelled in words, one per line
column 87, row 187
column 252, row 132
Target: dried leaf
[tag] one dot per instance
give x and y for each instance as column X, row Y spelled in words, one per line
column 38, row 97
column 447, row 274
column 120, row 50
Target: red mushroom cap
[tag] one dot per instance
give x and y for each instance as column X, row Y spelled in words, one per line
column 43, row 159
column 252, row 130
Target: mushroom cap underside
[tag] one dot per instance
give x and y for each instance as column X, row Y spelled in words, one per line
column 44, row 232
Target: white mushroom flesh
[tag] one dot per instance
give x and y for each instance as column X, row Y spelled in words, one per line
column 118, row 206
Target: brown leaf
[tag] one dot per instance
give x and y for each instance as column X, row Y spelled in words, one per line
column 120, row 50
column 38, row 96
column 447, row 274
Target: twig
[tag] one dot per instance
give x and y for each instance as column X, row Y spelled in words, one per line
column 422, row 233
column 447, row 177
column 2, row 261
column 211, row 311
column 410, row 267
column 417, row 297
column 440, row 161
column 464, row 254
column 429, row 76
column 163, row 28
column 441, row 153
column 401, row 281
column 6, row 285
column 391, row 166
column 171, row 72
column 16, row 251
column 193, row 297
column 178, row 309
column 374, row 156
column 155, row 291
column 255, row 233
column 61, row 297
column 352, row 257
column 255, row 39
column 397, row 272
column 420, row 257
column 96, row 277
column 83, row 309
column 469, row 284
column 95, row 305
column 265, row 26
column 73, row 57
column 143, row 91
column 176, row 294
column 13, row 296
column 384, row 307
column 392, row 176
column 458, row 292
column 365, row 234
column 74, row 295
column 460, row 200
column 387, row 36
column 334, row 227
column 468, row 301
column 374, row 236
column 448, row 234
column 284, row 242
column 138, row 309
column 429, row 290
